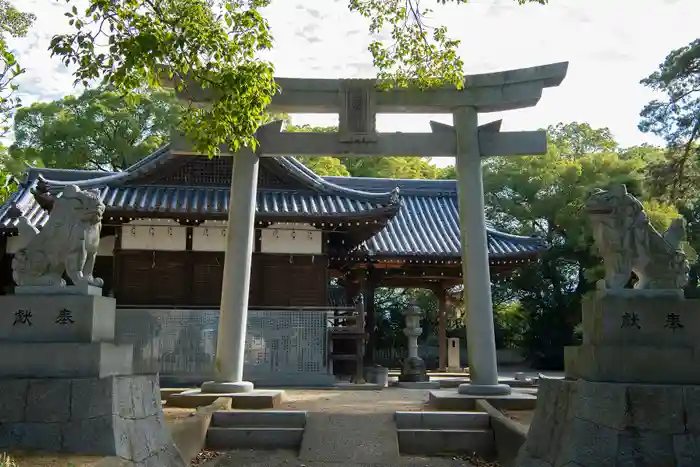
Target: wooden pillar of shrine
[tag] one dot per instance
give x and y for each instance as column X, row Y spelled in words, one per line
column 441, row 294
column 116, row 291
column 369, row 286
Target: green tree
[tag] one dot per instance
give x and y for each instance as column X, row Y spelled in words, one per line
column 216, row 44
column 544, row 195
column 13, row 23
column 97, row 130
column 378, row 167
column 676, row 118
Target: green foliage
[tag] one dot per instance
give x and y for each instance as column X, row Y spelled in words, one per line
column 544, row 195
column 379, row 167
column 676, row 118
column 13, row 23
column 510, row 324
column 98, row 130
column 212, row 44
column 215, row 44
column 7, row 186
column 418, row 54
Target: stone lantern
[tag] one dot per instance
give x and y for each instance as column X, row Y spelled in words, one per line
column 413, row 369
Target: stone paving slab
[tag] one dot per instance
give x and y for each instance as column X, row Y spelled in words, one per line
column 246, row 458
column 352, row 438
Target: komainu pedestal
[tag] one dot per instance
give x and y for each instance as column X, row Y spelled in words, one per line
column 632, row 393
column 66, row 388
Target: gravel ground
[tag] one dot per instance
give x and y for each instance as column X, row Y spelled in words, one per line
column 347, row 401
column 289, row 459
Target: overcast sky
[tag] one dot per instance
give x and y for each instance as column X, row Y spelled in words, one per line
column 610, row 44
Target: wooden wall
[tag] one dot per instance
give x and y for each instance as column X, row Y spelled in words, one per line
column 189, row 278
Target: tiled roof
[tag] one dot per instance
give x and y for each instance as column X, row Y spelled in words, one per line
column 212, row 201
column 428, row 222
column 424, row 219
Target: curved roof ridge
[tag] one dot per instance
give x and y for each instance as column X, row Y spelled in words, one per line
column 295, row 167
column 408, row 186
column 309, row 177
column 158, row 156
column 535, row 239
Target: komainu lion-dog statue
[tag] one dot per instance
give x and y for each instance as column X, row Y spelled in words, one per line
column 67, row 243
column 628, row 243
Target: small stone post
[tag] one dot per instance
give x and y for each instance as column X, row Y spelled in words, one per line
column 414, row 367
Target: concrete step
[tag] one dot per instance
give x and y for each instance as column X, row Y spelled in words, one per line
column 263, row 438
column 428, row 442
column 442, row 420
column 259, row 419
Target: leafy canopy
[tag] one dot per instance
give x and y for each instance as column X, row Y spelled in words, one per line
column 417, row 53
column 98, row 130
column 676, row 118
column 13, row 23
column 215, row 44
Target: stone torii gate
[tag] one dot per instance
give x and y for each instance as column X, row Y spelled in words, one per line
column 357, row 102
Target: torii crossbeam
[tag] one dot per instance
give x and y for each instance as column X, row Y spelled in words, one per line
column 357, row 102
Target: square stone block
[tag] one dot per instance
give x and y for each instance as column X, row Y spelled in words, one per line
column 64, row 360
column 450, row 399
column 13, row 400
column 31, row 436
column 604, row 404
column 57, row 318
column 48, row 400
column 633, row 364
column 640, row 320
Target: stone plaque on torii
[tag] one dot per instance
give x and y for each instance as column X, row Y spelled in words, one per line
column 357, row 102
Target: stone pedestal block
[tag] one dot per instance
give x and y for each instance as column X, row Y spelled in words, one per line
column 642, row 319
column 591, row 424
column 633, row 364
column 56, row 318
column 637, row 338
column 65, row 360
column 113, row 416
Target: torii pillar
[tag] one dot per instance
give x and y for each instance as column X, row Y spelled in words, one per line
column 481, row 344
column 357, row 102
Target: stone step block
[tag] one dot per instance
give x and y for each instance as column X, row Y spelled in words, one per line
column 429, row 442
column 65, row 360
column 263, row 438
column 442, row 420
column 57, row 318
column 259, row 419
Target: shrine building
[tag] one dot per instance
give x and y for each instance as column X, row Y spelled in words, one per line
column 164, row 237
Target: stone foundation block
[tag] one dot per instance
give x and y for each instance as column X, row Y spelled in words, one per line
column 592, row 424
column 644, row 364
column 57, row 318
column 65, row 360
column 113, row 416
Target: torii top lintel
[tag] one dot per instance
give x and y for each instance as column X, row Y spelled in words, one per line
column 487, row 92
